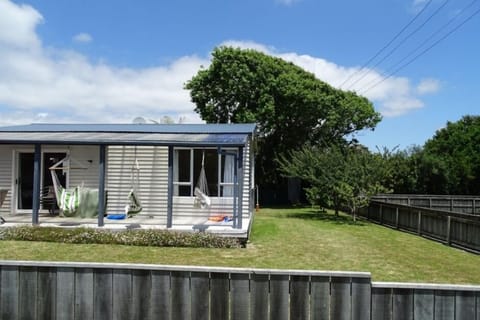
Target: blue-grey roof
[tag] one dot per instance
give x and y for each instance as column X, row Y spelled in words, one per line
column 139, row 128
column 129, row 134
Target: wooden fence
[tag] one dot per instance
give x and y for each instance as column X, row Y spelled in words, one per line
column 391, row 301
column 451, row 228
column 460, row 204
column 49, row 290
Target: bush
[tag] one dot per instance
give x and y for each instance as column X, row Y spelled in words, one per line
column 156, row 238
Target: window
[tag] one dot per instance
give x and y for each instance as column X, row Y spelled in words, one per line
column 219, row 171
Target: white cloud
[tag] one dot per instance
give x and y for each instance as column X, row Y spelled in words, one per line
column 392, row 96
column 43, row 84
column 427, row 86
column 52, row 85
column 82, row 38
column 17, row 25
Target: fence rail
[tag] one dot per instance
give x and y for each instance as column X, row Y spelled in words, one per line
column 452, row 228
column 459, row 204
column 47, row 290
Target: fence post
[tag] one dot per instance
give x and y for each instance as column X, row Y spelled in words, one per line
column 396, row 217
column 430, row 203
column 473, row 206
column 419, row 223
column 380, row 218
column 451, row 204
column 449, row 224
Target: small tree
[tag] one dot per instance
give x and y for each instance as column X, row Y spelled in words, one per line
column 340, row 177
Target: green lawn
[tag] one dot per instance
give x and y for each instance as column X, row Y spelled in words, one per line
column 297, row 238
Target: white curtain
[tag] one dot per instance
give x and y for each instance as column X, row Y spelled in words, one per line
column 175, row 172
column 228, row 175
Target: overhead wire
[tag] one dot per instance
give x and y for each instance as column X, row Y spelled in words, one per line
column 421, row 53
column 424, row 43
column 410, row 35
column 387, row 45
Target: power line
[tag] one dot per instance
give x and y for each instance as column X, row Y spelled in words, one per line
column 411, row 34
column 433, row 35
column 422, row 53
column 388, row 44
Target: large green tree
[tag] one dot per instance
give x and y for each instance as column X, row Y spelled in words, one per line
column 451, row 159
column 290, row 105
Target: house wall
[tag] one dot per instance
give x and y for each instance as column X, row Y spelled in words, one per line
column 153, row 178
column 6, row 170
column 87, row 177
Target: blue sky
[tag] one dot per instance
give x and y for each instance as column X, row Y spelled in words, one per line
column 111, row 61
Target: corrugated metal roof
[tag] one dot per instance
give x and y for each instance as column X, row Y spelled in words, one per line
column 129, row 134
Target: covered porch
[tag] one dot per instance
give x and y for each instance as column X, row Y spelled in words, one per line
column 170, row 204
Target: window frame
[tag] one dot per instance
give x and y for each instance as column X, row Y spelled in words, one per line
column 220, row 184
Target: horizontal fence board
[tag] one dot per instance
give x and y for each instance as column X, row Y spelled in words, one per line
column 107, row 291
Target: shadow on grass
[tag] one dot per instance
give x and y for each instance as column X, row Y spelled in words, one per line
column 326, row 216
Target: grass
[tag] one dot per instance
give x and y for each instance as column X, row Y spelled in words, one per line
column 295, row 238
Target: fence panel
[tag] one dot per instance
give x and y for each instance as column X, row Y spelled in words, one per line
column 41, row 290
column 279, row 289
column 452, row 228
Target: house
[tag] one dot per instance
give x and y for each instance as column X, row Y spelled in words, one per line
column 162, row 164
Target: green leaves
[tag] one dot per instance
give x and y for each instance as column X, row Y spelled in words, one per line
column 339, row 177
column 290, row 105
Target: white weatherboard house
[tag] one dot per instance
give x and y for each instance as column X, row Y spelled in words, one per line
column 178, row 177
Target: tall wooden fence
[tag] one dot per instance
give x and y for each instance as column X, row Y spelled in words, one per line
column 459, row 204
column 47, row 290
column 451, row 228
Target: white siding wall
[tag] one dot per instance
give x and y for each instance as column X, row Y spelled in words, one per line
column 87, row 177
column 6, row 170
column 153, row 186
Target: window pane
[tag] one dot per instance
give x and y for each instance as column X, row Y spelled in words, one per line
column 183, row 165
column 211, row 169
column 183, row 191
